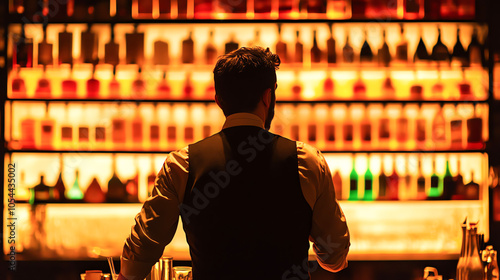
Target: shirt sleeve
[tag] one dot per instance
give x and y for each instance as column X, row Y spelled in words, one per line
column 329, row 232
column 156, row 224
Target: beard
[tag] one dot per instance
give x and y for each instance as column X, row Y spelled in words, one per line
column 270, row 112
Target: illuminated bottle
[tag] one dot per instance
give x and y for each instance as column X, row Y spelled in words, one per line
column 134, row 47
column 368, row 196
column 359, row 88
column 66, row 130
column 114, row 87
column 384, row 55
column 434, row 191
column 188, row 49
column 161, row 53
column 138, row 86
column 337, row 184
column 188, row 89
column 330, row 45
column 448, row 183
column 421, row 182
column 94, row 193
column 348, row 51
column 459, row 55
column 388, row 90
column 438, row 88
column 366, row 130
column 154, row 130
column 188, row 126
column 69, row 86
column 316, row 53
column 472, row 189
column 348, row 128
column 440, row 52
column 409, row 188
column 89, row 45
column 330, row 136
column 459, row 184
column 463, row 253
column 281, row 49
column 40, row 193
column 163, row 89
column 59, row 187
column 439, row 128
column 93, row 86
column 465, row 88
column 231, row 45
column 116, row 189
column 136, row 129
column 413, row 9
column 65, row 46
column 132, row 188
column 402, row 47
column 210, row 50
column 384, row 131
column 475, row 131
column 328, row 87
column 23, row 50
column 299, row 49
column 474, row 266
column 111, row 50
column 45, row 56
column 366, row 54
column 119, row 130
column 402, row 127
column 421, row 53
column 474, row 50
column 383, row 190
column 100, row 132
column 43, row 89
column 47, row 130
column 420, row 128
column 297, row 87
column 353, row 179
column 18, row 86
column 456, row 132
column 393, row 183
column 75, row 193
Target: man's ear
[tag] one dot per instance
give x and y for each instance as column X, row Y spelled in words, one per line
column 266, row 98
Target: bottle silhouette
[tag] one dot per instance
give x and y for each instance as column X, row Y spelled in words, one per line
column 434, row 191
column 47, row 130
column 474, row 50
column 59, row 187
column 368, row 196
column 281, row 49
column 473, row 267
column 448, row 183
column 40, row 193
column 421, row 53
column 459, row 54
column 337, row 184
column 188, row 49
column 316, row 52
column 393, row 183
column 94, row 193
column 348, row 51
column 366, row 54
column 330, row 44
column 116, row 189
column 384, row 55
column 402, row 47
column 210, row 50
column 231, row 45
column 382, row 183
column 440, row 51
column 421, row 182
column 459, row 184
column 75, row 193
column 299, row 49
column 472, row 189
column 353, row 179
column 475, row 131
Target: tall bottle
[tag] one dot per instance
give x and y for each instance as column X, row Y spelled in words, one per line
column 154, row 130
column 116, row 189
column 152, row 177
column 440, row 52
column 119, row 130
column 402, row 47
column 384, row 55
column 368, row 196
column 299, row 49
column 384, row 131
column 420, row 128
column 393, row 183
column 459, row 184
column 459, row 54
column 210, row 50
column 474, row 50
column 47, row 130
column 475, row 130
column 421, row 182
column 421, row 53
column 316, row 53
column 353, row 179
column 472, row 189
column 366, row 130
column 348, row 51
column 448, row 183
column 456, row 131
column 337, row 184
column 330, row 44
column 75, row 193
column 439, row 129
column 231, row 45
column 463, row 253
column 59, row 188
column 402, row 128
column 348, row 128
column 366, row 54
column 188, row 49
column 382, row 182
column 474, row 266
column 137, row 129
column 281, row 47
column 434, row 191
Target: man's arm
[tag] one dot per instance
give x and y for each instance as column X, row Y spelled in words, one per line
column 156, row 224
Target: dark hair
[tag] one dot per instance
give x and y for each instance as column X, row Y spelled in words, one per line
column 242, row 76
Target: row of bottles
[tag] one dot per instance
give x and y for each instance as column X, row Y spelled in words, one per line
column 329, row 127
column 407, row 185
column 245, row 9
column 294, row 86
column 322, row 44
column 476, row 260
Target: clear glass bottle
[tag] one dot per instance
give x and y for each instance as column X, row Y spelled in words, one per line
column 299, row 49
column 281, row 47
column 474, row 267
column 463, row 253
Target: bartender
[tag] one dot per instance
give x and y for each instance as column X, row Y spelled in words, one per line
column 250, row 200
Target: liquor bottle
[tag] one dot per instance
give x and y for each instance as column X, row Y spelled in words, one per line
column 262, row 7
column 139, row 86
column 456, row 132
column 440, row 52
column 100, row 132
column 94, row 193
column 188, row 87
column 330, row 136
column 465, row 88
column 171, row 129
column 111, row 50
column 23, row 50
column 114, row 87
column 459, row 184
column 393, row 183
column 475, row 131
column 402, row 47
column 337, row 184
column 299, row 49
column 434, row 191
column 359, row 88
column 420, row 128
column 66, row 130
column 316, row 53
column 330, row 45
column 383, row 190
column 59, row 187
column 384, row 55
column 163, row 89
column 448, row 183
column 134, row 47
column 384, row 130
column 65, row 46
column 421, row 185
column 69, row 86
column 474, row 50
column 132, row 188
column 188, row 49
column 366, row 54
column 402, row 127
column 348, row 128
column 160, row 53
column 45, row 50
column 366, row 130
column 93, row 86
column 416, row 90
column 210, row 50
column 281, row 49
column 136, row 129
column 89, row 45
column 231, row 45
column 353, row 179
column 414, row 9
column 348, row 51
column 119, row 130
column 312, row 130
column 40, row 193
column 154, row 130
column 421, row 53
column 474, row 267
column 43, row 88
column 75, row 193
column 409, row 190
column 438, row 88
column 188, row 126
column 472, row 189
column 18, row 85
column 152, row 177
column 463, row 252
column 439, row 129
column 369, row 195
column 316, row 8
column 47, row 130
column 328, row 87
column 459, row 55
column 297, row 87
column 388, row 90
column 116, row 189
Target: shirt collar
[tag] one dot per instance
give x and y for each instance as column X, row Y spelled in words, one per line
column 243, row 119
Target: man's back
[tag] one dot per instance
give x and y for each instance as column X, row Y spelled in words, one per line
column 243, row 212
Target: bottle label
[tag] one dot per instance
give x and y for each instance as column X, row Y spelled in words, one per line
column 368, row 185
column 67, row 133
column 354, row 185
column 384, row 132
column 100, row 134
column 311, row 132
column 366, row 132
column 83, row 134
column 188, row 134
column 295, row 132
column 137, row 132
column 171, row 133
column 154, row 133
column 420, row 130
column 118, row 131
column 348, row 132
column 330, row 132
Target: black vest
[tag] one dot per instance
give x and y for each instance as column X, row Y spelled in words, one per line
column 244, row 213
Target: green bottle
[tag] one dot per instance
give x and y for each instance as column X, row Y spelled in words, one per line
column 434, row 191
column 75, row 193
column 353, row 178
column 368, row 182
